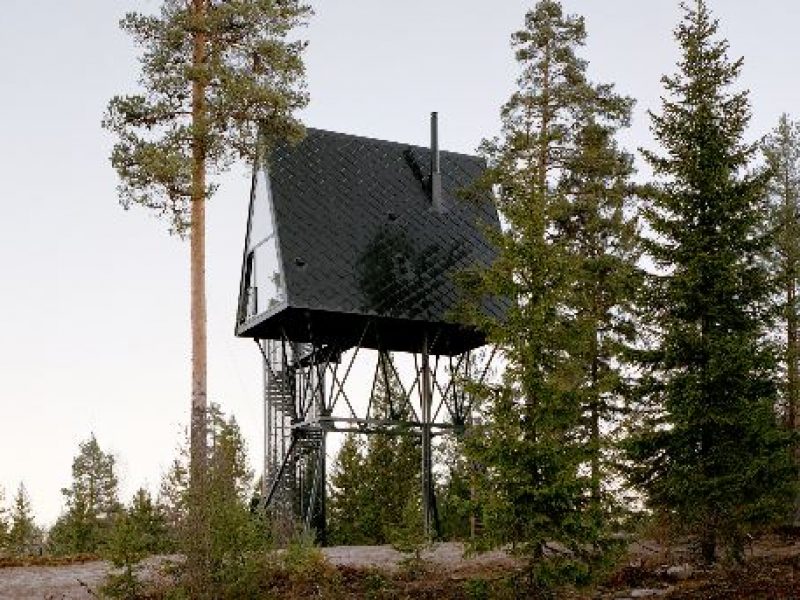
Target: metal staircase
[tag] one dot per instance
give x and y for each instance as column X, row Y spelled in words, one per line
column 294, row 458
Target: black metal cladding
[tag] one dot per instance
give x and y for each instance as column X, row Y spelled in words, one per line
column 366, row 257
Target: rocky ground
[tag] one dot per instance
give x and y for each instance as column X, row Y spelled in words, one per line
column 79, row 580
column 650, row 571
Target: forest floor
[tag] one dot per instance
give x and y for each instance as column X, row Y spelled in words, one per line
column 772, row 571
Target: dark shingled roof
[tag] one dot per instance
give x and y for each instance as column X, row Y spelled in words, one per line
column 360, row 241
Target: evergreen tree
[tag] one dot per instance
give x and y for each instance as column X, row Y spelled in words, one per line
column 372, row 483
column 598, row 229
column 230, row 483
column 393, row 461
column 4, row 524
column 228, row 468
column 174, row 490
column 454, row 491
column 173, row 498
column 126, row 548
column 138, row 532
column 23, row 534
column 714, row 458
column 92, row 502
column 348, row 500
column 782, row 151
column 148, row 520
column 562, row 185
column 234, row 529
column 236, row 533
column 409, row 537
column 214, row 74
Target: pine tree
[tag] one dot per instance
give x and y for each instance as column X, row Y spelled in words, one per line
column 598, row 228
column 92, row 502
column 215, row 73
column 532, row 442
column 782, row 151
column 94, row 480
column 125, row 550
column 228, row 468
column 173, row 498
column 714, row 459
column 236, row 533
column 230, row 483
column 149, row 520
column 138, row 532
column 23, row 534
column 234, row 530
column 4, row 524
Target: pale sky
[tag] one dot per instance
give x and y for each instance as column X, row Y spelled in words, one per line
column 94, row 329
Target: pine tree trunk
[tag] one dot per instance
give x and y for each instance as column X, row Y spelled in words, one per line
column 198, row 548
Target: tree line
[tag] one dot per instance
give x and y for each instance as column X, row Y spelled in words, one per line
column 94, row 521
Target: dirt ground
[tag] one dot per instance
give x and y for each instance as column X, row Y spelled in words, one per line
column 650, row 571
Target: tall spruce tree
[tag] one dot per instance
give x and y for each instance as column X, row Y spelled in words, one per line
column 562, row 185
column 714, row 458
column 214, row 73
column 23, row 533
column 782, row 152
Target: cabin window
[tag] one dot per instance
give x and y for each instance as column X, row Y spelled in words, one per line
column 264, row 285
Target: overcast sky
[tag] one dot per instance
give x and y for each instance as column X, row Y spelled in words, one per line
column 94, row 331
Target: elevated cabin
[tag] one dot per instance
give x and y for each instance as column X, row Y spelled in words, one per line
column 353, row 241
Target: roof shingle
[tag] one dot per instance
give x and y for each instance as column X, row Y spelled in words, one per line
column 360, row 241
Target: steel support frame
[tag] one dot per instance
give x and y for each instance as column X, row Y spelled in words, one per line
column 305, row 400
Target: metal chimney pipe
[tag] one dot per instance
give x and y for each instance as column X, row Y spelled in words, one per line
column 436, row 169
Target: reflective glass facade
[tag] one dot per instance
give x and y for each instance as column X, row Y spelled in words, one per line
column 264, row 287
